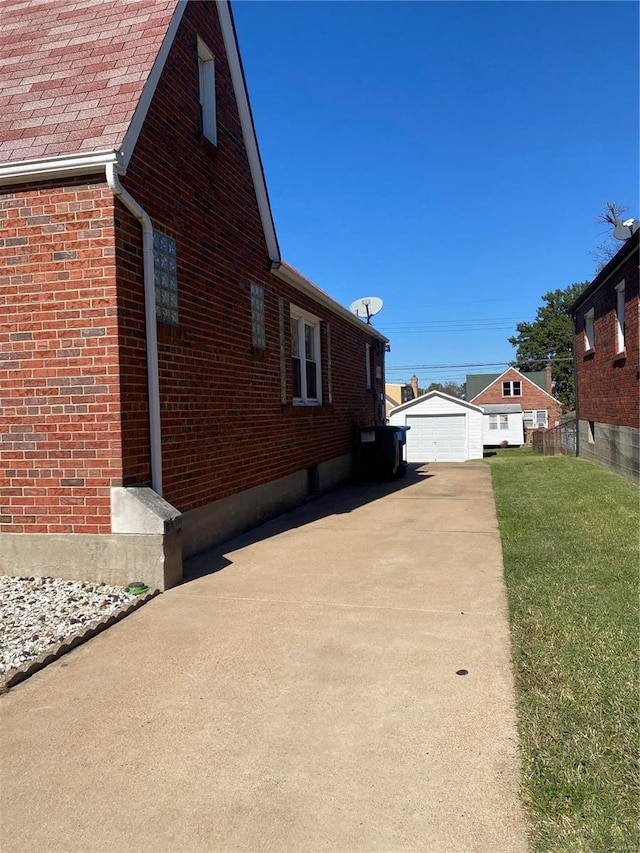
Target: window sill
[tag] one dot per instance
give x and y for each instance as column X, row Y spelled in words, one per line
column 589, row 354
column 304, row 404
column 620, row 356
column 167, row 333
column 207, row 144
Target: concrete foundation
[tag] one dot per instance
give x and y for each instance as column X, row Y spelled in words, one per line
column 218, row 521
column 150, row 538
column 616, row 447
column 115, row 558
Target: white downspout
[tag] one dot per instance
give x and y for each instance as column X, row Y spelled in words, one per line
column 150, row 323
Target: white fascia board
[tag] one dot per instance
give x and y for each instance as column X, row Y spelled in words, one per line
column 248, row 128
column 288, row 275
column 442, row 396
column 62, row 166
column 149, row 88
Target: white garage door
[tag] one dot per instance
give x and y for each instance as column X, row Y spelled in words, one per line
column 436, row 438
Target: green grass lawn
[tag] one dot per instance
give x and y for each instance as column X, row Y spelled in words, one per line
column 570, row 539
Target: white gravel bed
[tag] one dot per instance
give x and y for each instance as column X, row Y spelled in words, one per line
column 38, row 612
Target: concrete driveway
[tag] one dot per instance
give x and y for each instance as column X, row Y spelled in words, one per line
column 301, row 696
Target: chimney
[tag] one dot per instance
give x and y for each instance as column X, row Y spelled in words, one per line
column 548, row 382
column 414, row 385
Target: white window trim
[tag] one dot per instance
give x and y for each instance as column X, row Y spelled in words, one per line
column 304, row 317
column 511, row 383
column 620, row 312
column 534, row 418
column 589, row 335
column 499, row 422
column 367, row 361
column 207, row 81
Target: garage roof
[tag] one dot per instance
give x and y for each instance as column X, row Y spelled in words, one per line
column 440, row 394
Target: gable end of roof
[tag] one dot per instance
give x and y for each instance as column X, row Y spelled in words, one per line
column 521, row 376
column 410, row 403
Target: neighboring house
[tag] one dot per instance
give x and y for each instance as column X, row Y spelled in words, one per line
column 167, row 380
column 607, row 358
column 442, row 428
column 502, row 424
column 532, row 391
column 396, row 395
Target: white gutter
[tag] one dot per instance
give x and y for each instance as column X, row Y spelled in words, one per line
column 47, row 168
column 150, row 323
column 293, row 277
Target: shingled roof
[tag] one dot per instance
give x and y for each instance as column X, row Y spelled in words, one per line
column 72, row 72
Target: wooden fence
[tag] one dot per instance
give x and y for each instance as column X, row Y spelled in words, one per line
column 560, row 439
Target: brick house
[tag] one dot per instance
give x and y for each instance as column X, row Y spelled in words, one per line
column 166, row 380
column 607, row 357
column 504, row 392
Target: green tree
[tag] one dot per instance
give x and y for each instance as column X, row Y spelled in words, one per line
column 549, row 340
column 450, row 388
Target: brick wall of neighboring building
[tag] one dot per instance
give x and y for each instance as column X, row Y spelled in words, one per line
column 224, row 428
column 59, row 394
column 608, row 383
column 532, row 397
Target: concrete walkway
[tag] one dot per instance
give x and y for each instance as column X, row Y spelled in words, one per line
column 303, row 697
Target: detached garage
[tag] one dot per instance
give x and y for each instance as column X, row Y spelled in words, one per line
column 443, row 428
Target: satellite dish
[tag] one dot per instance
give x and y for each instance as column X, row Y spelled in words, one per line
column 626, row 229
column 366, row 308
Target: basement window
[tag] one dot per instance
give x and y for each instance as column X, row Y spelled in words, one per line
column 207, row 82
column 165, row 275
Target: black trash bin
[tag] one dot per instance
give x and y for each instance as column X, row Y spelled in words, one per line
column 379, row 452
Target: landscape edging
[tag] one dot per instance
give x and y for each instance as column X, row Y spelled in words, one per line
column 57, row 650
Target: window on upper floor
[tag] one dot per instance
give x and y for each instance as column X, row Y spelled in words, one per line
column 620, row 324
column 207, row 76
column 165, row 274
column 258, row 333
column 512, row 389
column 589, row 340
column 535, row 418
column 305, row 358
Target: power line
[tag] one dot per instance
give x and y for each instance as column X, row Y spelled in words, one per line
column 415, row 367
column 471, row 321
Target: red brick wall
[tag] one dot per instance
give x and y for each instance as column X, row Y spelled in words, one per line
column 73, row 379
column 607, row 385
column 532, row 396
column 59, row 397
column 223, row 426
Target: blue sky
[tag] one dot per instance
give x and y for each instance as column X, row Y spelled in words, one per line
column 448, row 157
